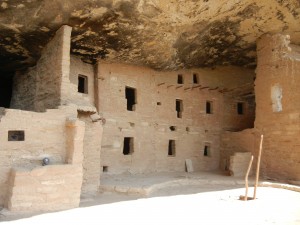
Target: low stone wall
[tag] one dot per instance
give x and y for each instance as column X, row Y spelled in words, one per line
column 233, row 142
column 48, row 188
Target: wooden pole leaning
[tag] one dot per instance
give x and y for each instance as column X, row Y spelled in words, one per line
column 258, row 166
column 246, row 178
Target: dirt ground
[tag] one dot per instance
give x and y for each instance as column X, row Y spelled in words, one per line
column 213, row 202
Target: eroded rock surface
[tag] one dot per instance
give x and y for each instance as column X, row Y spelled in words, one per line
column 161, row 34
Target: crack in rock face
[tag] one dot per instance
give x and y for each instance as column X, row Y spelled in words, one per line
column 161, row 34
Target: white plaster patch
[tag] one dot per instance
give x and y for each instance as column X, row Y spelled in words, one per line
column 276, row 96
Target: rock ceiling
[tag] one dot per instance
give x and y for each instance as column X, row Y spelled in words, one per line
column 162, row 34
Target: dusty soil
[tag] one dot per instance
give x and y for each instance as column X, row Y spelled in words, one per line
column 172, row 202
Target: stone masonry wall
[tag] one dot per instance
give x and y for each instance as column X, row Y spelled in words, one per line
column 51, row 187
column 234, row 142
column 278, row 106
column 24, row 90
column 91, row 154
column 154, row 114
column 40, row 87
column 80, row 68
column 45, row 136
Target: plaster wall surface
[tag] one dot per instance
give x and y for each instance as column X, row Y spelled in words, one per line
column 149, row 124
column 278, row 114
column 91, row 154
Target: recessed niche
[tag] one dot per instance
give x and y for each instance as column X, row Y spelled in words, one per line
column 173, row 128
column 16, row 135
column 105, row 169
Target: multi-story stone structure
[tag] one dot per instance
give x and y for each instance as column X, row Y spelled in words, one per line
column 115, row 118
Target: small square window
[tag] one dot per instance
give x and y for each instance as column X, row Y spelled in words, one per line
column 16, row 135
column 105, row 169
column 173, row 128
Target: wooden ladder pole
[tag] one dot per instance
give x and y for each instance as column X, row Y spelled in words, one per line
column 246, row 178
column 258, row 166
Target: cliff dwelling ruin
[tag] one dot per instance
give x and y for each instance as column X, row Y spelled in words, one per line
column 103, row 88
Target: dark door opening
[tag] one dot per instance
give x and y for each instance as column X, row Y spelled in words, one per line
column 209, row 107
column 6, row 83
column 82, row 84
column 128, row 146
column 195, row 78
column 180, row 79
column 179, row 108
column 171, row 148
column 240, row 108
column 130, row 94
column 206, row 151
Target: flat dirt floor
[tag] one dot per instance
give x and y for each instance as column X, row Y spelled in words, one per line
column 210, row 203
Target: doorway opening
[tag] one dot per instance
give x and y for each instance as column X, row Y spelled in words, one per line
column 6, row 83
column 130, row 94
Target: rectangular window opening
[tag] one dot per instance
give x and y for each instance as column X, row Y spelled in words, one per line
column 240, row 108
column 206, row 151
column 105, row 169
column 179, row 108
column 130, row 94
column 171, row 148
column 179, row 79
column 209, row 107
column 16, row 135
column 195, row 79
column 82, row 84
column 128, row 146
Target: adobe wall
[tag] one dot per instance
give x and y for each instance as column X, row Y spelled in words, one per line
column 234, row 142
column 277, row 111
column 39, row 88
column 45, row 136
column 278, row 107
column 149, row 124
column 50, row 187
column 91, row 154
column 80, row 68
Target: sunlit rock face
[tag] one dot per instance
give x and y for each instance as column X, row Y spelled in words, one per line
column 162, row 34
